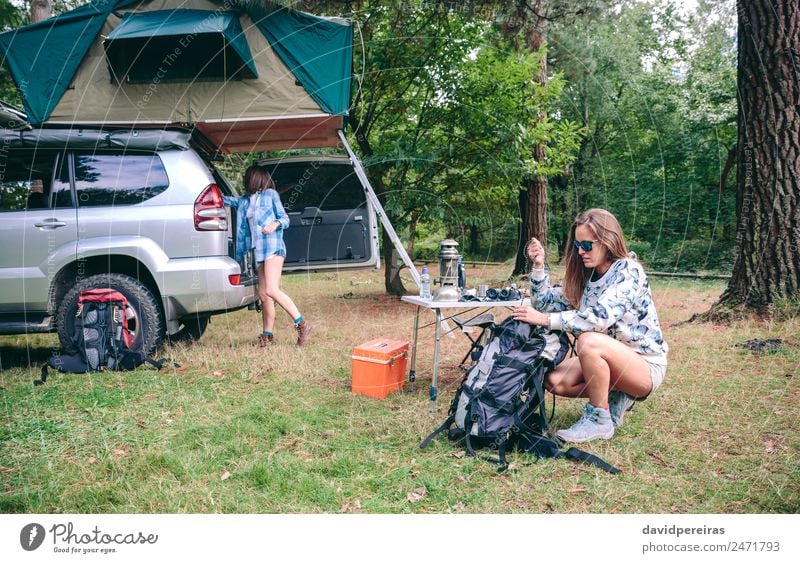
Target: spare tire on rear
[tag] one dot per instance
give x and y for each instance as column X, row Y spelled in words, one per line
column 145, row 319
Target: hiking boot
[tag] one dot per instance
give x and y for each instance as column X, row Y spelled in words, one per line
column 304, row 329
column 618, row 404
column 265, row 340
column 594, row 424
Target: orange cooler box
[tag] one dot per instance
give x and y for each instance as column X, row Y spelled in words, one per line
column 379, row 367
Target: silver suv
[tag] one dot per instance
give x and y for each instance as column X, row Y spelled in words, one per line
column 138, row 211
column 141, row 211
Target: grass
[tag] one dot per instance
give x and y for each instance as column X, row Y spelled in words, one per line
column 237, row 429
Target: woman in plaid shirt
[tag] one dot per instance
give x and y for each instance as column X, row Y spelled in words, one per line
column 261, row 220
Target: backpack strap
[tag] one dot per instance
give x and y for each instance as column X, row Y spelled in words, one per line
column 542, row 446
column 444, row 426
column 586, row 457
column 43, row 378
column 538, row 385
column 501, row 454
column 504, row 360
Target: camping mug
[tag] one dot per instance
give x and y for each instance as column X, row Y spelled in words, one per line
column 482, row 290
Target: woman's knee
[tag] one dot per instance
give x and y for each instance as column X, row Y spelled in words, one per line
column 272, row 291
column 590, row 343
column 554, row 382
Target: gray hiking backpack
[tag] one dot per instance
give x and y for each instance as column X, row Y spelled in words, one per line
column 500, row 403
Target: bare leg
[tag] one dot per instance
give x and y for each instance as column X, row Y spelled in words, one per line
column 272, row 268
column 603, row 363
column 268, row 313
column 267, row 303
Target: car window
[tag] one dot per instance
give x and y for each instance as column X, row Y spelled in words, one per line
column 116, row 179
column 317, row 184
column 62, row 196
column 26, row 180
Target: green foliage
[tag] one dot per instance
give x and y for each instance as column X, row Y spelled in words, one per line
column 451, row 117
column 11, row 16
column 656, row 93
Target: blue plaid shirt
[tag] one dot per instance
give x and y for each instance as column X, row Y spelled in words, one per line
column 268, row 208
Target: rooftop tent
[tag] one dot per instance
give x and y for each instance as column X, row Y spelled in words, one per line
column 248, row 74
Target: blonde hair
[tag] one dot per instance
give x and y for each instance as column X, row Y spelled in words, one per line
column 606, row 230
column 257, row 179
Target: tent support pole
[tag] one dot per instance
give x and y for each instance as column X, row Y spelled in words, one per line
column 376, row 204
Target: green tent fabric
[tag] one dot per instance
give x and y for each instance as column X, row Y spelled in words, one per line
column 296, row 37
column 44, row 57
column 43, row 73
column 132, row 41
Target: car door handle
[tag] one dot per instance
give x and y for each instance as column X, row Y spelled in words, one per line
column 51, row 223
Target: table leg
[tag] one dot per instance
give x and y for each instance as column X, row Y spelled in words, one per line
column 435, row 380
column 412, row 374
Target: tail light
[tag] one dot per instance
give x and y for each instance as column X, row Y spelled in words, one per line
column 209, row 210
column 235, row 279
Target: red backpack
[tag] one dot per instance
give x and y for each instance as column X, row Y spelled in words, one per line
column 101, row 337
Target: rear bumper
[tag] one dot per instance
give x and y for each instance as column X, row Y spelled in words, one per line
column 194, row 286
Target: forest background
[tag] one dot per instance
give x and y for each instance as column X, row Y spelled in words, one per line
column 635, row 111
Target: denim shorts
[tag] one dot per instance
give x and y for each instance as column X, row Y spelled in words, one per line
column 278, row 252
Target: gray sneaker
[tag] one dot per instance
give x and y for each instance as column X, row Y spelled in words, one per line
column 594, row 424
column 618, row 404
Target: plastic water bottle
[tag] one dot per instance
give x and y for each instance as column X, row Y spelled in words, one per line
column 425, row 284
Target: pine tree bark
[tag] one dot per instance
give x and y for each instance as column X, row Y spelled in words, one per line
column 534, row 214
column 767, row 265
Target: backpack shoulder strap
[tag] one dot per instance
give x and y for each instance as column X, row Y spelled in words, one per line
column 586, row 457
column 444, row 426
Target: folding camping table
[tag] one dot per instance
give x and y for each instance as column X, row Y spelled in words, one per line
column 437, row 307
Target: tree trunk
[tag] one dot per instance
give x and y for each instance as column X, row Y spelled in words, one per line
column 41, row 10
column 412, row 231
column 392, row 262
column 534, row 219
column 767, row 265
column 474, row 240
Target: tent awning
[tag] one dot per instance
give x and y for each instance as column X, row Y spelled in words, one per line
column 300, row 132
column 148, row 46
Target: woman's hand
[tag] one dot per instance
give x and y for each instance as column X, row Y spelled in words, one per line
column 535, row 252
column 530, row 315
column 270, row 228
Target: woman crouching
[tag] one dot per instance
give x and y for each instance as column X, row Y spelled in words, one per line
column 606, row 302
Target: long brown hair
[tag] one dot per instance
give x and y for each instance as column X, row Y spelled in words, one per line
column 257, row 179
column 606, row 229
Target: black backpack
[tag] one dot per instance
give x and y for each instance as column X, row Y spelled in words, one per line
column 101, row 336
column 500, row 403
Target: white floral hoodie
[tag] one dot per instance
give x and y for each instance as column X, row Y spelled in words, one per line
column 619, row 304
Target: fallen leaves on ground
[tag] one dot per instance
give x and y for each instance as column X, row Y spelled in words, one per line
column 91, row 460
column 351, row 506
column 771, row 443
column 225, row 475
column 119, row 453
column 417, row 495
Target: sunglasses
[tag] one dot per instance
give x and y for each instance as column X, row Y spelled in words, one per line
column 586, row 245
